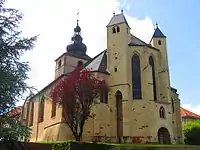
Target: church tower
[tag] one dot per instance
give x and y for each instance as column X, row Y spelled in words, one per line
column 159, row 41
column 118, row 37
column 75, row 55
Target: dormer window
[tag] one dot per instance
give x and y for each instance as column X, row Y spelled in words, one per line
column 59, row 63
column 113, row 30
column 118, row 29
column 159, row 42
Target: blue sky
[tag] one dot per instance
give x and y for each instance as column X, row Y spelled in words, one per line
column 55, row 20
column 180, row 22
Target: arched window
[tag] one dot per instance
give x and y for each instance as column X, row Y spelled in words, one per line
column 104, row 97
column 113, row 30
column 31, row 114
column 41, row 109
column 59, row 63
column 136, row 77
column 159, row 42
column 151, row 63
column 27, row 112
column 119, row 113
column 80, row 63
column 118, row 29
column 53, row 109
column 162, row 112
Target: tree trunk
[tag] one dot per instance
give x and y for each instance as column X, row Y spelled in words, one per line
column 78, row 138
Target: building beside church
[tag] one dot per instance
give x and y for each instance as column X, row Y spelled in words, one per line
column 188, row 116
column 141, row 106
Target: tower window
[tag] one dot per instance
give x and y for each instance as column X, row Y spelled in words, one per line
column 159, row 42
column 136, row 77
column 113, row 30
column 116, row 58
column 80, row 63
column 59, row 63
column 162, row 112
column 115, row 69
column 118, row 29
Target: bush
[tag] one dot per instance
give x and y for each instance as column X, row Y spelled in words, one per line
column 80, row 146
column 192, row 133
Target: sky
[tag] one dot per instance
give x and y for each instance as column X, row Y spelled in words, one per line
column 54, row 22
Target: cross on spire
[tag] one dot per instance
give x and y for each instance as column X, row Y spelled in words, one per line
column 77, row 16
column 156, row 24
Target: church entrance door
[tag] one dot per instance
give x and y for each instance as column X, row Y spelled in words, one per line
column 163, row 136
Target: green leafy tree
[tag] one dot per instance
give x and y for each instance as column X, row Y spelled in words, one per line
column 192, row 132
column 13, row 72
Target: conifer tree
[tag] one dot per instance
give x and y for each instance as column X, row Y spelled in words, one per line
column 13, row 72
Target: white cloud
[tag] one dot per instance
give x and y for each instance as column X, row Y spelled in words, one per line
column 55, row 20
column 192, row 108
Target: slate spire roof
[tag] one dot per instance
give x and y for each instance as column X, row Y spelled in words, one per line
column 117, row 19
column 98, row 63
column 158, row 33
column 77, row 48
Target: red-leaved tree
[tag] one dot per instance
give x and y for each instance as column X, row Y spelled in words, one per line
column 77, row 93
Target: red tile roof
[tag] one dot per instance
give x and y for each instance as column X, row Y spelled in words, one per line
column 187, row 113
column 15, row 111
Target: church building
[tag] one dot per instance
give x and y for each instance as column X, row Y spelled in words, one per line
column 141, row 106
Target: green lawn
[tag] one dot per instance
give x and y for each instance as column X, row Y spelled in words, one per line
column 125, row 145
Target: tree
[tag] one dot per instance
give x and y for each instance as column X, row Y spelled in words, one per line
column 77, row 94
column 192, row 132
column 13, row 72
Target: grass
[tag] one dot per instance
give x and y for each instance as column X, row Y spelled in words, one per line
column 126, row 145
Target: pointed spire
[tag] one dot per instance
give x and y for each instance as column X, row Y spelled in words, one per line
column 78, row 28
column 77, row 46
column 158, row 33
column 77, row 16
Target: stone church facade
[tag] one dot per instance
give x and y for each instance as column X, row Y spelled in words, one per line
column 141, row 106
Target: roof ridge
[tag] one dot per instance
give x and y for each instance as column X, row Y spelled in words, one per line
column 139, row 39
column 88, row 62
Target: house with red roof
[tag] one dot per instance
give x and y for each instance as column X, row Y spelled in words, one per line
column 16, row 111
column 187, row 116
